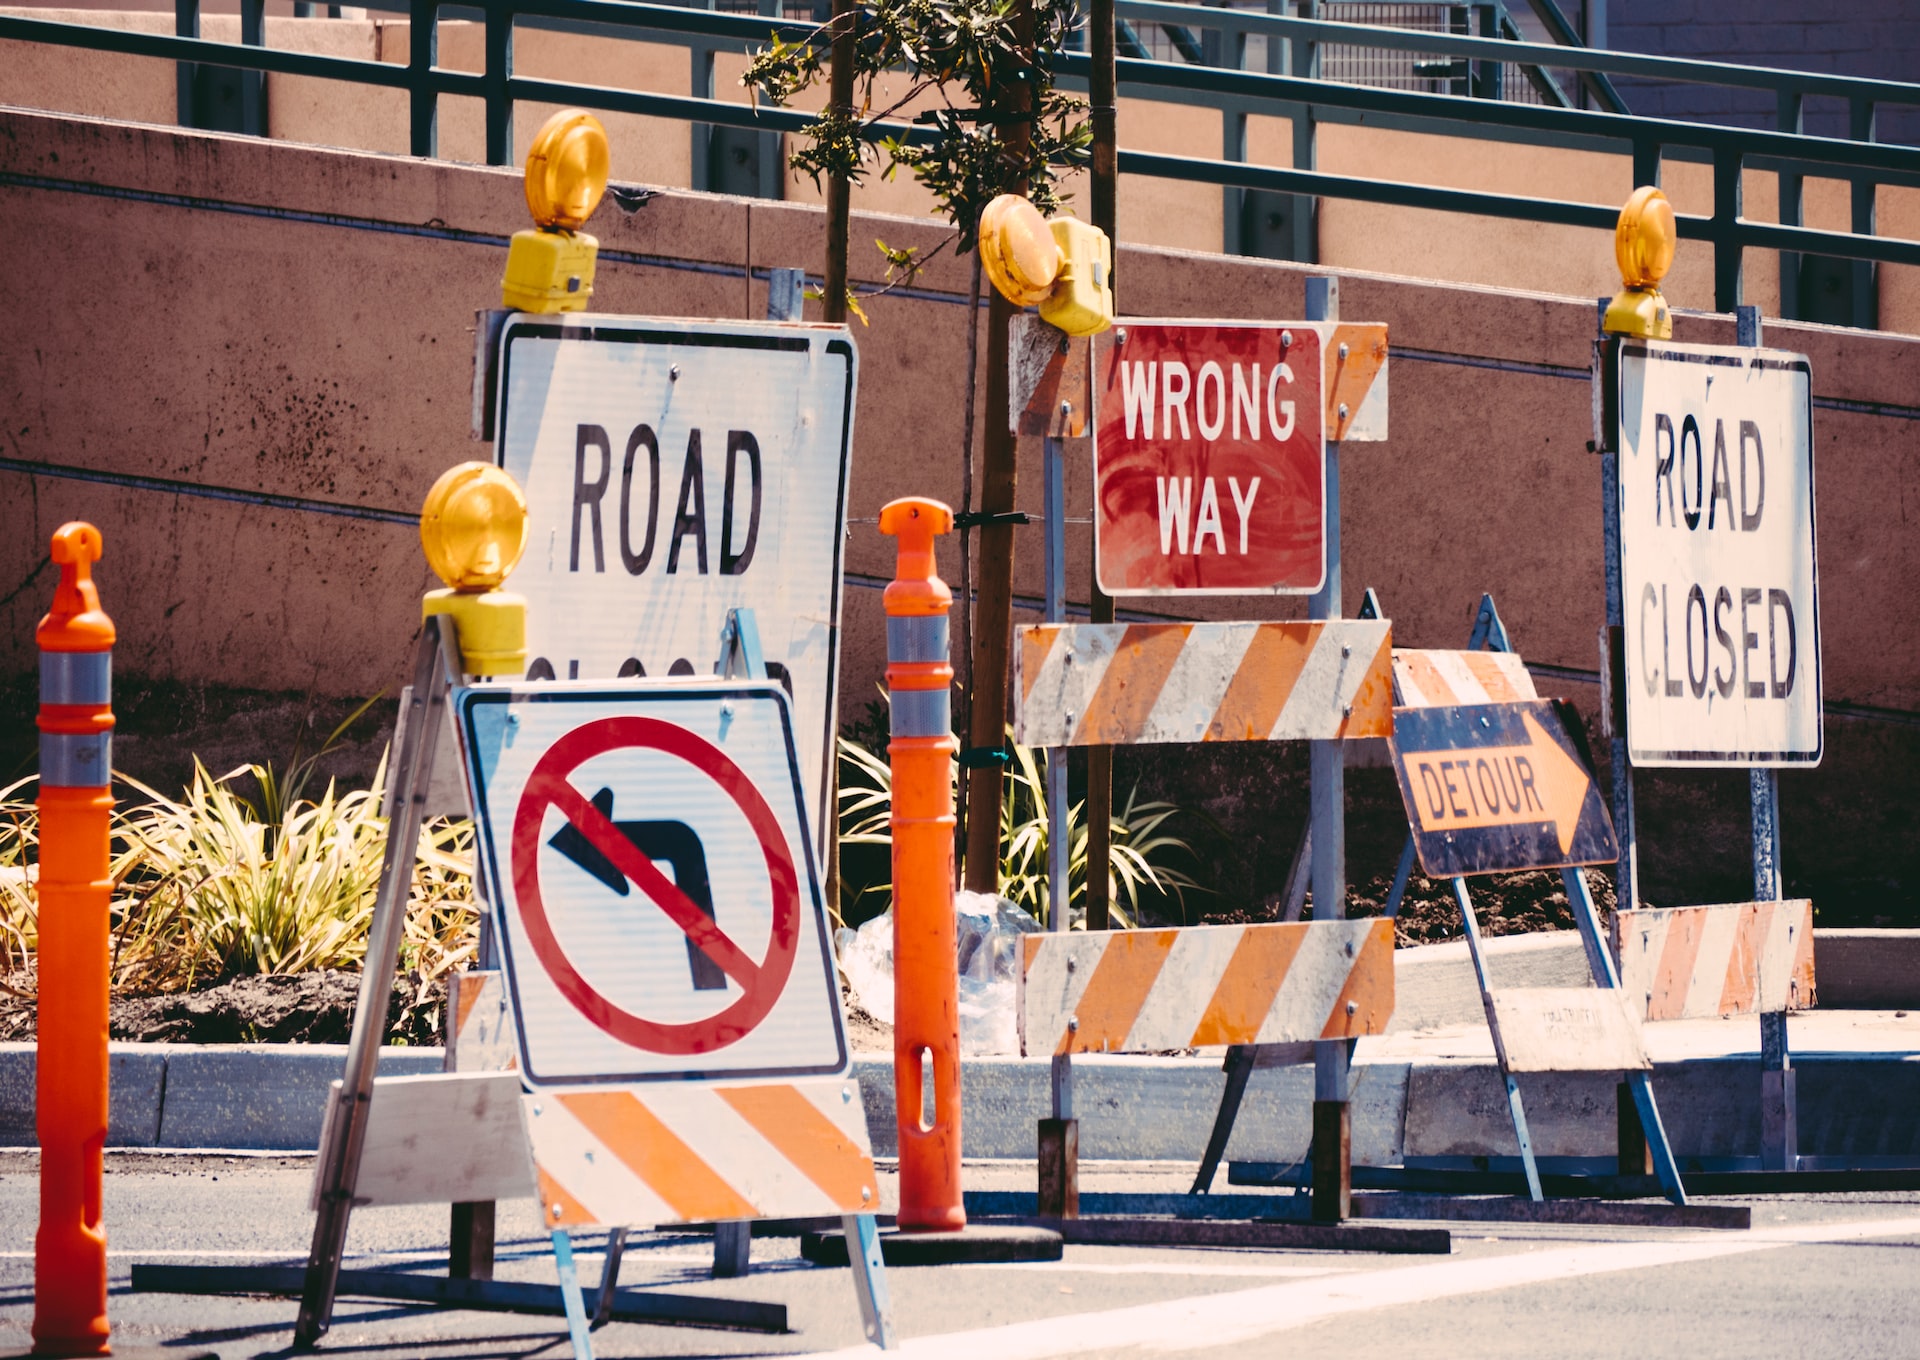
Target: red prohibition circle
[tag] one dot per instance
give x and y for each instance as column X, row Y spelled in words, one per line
column 549, row 787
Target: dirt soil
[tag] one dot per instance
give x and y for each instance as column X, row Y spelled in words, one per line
column 1504, row 904
column 305, row 1008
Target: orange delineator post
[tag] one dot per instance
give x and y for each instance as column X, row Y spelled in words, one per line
column 75, row 887
column 926, row 1005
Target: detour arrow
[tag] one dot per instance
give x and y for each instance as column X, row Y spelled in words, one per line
column 1492, row 788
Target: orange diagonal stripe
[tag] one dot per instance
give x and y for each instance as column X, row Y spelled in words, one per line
column 655, row 1154
column 1673, row 976
column 1372, row 714
column 808, row 1139
column 470, row 987
column 1435, row 692
column 1036, row 645
column 1259, row 688
column 1744, row 960
column 1802, row 960
column 1248, row 986
column 1119, row 708
column 1117, row 990
column 1350, row 378
column 1492, row 678
column 1369, row 988
column 553, row 1195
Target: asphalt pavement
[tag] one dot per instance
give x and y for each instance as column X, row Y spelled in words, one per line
column 1831, row 1276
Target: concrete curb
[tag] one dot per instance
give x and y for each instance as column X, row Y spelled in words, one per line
column 269, row 1098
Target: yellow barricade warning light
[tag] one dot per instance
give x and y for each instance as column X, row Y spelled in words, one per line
column 1065, row 266
column 550, row 269
column 1643, row 243
column 473, row 527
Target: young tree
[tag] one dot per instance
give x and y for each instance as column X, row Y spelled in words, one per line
column 996, row 125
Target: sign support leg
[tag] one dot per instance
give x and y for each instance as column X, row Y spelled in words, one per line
column 1580, row 897
column 1332, row 1164
column 1779, row 1138
column 610, row 1276
column 1058, row 1191
column 732, row 1250
column 869, row 1279
column 570, row 1295
column 422, row 714
column 1514, row 1107
column 1239, row 1067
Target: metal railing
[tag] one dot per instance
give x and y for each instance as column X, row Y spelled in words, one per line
column 1295, row 87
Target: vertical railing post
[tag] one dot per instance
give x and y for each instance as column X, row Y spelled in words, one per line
column 1861, row 127
column 1792, row 120
column 1646, row 163
column 1727, row 251
column 253, row 84
column 499, row 71
column 1232, row 47
column 423, row 54
column 186, row 24
column 700, row 86
column 1303, row 60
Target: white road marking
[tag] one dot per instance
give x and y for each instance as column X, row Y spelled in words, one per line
column 1156, row 1268
column 1219, row 1321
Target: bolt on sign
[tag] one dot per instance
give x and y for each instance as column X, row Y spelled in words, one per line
column 1496, row 788
column 1210, row 450
column 653, row 889
column 1718, row 579
column 675, row 470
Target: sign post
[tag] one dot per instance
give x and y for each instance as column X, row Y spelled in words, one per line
column 1712, row 575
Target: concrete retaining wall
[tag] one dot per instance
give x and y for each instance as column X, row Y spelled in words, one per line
column 214, row 321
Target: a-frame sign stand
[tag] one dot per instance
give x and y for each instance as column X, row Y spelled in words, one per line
column 489, row 1160
column 1640, row 1127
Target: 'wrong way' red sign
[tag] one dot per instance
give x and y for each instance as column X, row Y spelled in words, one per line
column 1209, row 451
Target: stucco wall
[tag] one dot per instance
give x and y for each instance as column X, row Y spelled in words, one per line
column 213, row 321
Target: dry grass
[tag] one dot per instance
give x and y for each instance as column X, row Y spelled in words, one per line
column 207, row 888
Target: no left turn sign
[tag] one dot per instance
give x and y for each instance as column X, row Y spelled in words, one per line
column 653, row 892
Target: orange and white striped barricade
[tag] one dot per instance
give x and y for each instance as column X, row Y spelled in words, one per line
column 1496, row 779
column 1284, row 986
column 1743, row 958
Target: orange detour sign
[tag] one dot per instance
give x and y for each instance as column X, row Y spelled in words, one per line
column 76, row 725
column 1492, row 788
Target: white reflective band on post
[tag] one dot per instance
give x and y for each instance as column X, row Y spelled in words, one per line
column 75, row 761
column 920, row 712
column 76, row 677
column 920, row 637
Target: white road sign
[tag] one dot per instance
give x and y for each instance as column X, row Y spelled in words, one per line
column 653, row 890
column 1722, row 622
column 674, row 470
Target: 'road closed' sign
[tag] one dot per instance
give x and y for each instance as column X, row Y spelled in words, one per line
column 1722, row 624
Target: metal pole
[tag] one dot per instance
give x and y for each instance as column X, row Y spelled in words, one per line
column 1059, row 1147
column 423, row 713
column 1332, row 1168
column 1779, row 1138
column 1613, row 681
column 1514, row 1108
column 1106, row 180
